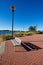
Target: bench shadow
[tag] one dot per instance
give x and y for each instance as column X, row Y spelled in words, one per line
column 29, row 46
column 35, row 41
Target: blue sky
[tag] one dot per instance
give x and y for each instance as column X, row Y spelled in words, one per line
column 27, row 13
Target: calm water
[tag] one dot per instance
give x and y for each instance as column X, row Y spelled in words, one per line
column 4, row 33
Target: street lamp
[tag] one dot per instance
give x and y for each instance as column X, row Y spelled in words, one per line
column 17, row 41
column 12, row 8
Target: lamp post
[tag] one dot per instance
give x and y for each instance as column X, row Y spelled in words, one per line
column 12, row 8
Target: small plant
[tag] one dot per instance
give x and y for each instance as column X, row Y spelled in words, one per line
column 7, row 37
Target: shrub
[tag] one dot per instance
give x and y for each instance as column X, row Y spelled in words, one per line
column 29, row 33
column 4, row 37
column 18, row 35
column 39, row 32
column 23, row 33
column 7, row 37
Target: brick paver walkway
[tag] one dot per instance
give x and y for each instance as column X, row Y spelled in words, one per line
column 19, row 56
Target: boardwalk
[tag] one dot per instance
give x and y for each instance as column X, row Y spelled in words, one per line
column 20, row 56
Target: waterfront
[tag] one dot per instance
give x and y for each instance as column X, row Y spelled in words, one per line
column 7, row 32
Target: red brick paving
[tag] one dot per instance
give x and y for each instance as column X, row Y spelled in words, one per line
column 13, row 57
column 9, row 54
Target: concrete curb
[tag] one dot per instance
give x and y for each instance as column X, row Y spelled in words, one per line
column 2, row 48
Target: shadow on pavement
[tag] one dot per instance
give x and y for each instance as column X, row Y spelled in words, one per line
column 29, row 46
